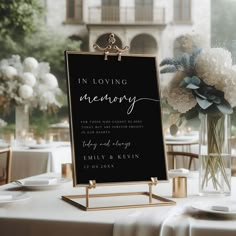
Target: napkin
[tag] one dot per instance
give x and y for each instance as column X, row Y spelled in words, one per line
column 5, row 197
column 40, row 181
column 149, row 223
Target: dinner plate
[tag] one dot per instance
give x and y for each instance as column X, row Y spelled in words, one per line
column 178, row 138
column 15, row 197
column 4, row 145
column 39, row 146
column 58, row 183
column 208, row 208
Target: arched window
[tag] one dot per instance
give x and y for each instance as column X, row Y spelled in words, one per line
column 74, row 11
column 182, row 10
column 143, row 44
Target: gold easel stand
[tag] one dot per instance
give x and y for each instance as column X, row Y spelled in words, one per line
column 83, row 201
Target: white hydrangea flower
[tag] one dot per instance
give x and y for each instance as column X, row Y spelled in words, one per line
column 189, row 42
column 28, row 78
column 25, row 91
column 30, row 64
column 180, row 99
column 3, row 63
column 50, row 80
column 46, row 98
column 230, row 87
column 212, row 66
column 9, row 72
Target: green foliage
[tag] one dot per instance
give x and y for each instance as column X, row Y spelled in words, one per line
column 41, row 121
column 19, row 18
column 185, row 62
column 44, row 46
column 209, row 99
column 173, row 129
column 190, row 82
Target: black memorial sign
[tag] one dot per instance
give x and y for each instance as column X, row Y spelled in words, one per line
column 115, row 118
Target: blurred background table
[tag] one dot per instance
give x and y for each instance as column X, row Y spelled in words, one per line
column 188, row 143
column 29, row 161
column 60, row 131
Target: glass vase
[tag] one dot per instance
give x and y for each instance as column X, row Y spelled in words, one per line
column 21, row 123
column 215, row 155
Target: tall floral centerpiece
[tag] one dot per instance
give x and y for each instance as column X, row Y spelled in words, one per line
column 204, row 86
column 26, row 85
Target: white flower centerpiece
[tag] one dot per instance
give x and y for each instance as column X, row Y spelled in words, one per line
column 3, row 123
column 204, row 85
column 26, row 85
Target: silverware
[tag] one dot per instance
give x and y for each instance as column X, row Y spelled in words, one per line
column 18, row 182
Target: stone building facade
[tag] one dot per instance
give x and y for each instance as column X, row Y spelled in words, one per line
column 146, row 26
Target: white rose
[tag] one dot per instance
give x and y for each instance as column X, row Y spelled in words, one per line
column 3, row 62
column 9, row 71
column 30, row 64
column 50, row 80
column 25, row 91
column 2, row 123
column 48, row 97
column 28, row 78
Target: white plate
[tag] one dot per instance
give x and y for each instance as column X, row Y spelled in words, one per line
column 16, row 197
column 207, row 208
column 4, row 145
column 179, row 138
column 58, row 183
column 39, row 146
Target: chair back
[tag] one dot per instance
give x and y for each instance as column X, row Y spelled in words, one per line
column 191, row 156
column 5, row 165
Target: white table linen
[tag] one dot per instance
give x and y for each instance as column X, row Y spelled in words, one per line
column 47, row 214
column 182, row 219
column 27, row 162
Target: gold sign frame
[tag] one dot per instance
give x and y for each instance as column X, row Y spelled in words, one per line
column 153, row 199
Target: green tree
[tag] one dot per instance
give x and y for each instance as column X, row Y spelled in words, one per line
column 19, row 18
column 23, row 32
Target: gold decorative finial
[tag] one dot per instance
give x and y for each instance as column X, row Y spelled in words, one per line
column 111, row 47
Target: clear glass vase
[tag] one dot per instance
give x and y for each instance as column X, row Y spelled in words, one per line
column 21, row 123
column 215, row 155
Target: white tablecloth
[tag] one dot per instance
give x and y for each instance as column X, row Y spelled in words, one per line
column 27, row 162
column 47, row 214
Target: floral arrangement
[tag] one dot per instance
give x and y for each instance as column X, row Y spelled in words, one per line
column 2, row 123
column 204, row 83
column 27, row 83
